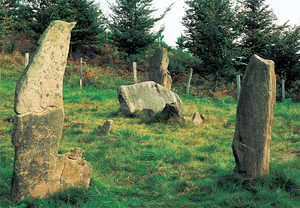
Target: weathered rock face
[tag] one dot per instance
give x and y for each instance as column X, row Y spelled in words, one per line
column 158, row 71
column 253, row 132
column 40, row 87
column 38, row 169
column 145, row 96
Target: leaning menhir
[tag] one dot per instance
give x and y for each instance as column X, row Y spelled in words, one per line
column 158, row 71
column 253, row 131
column 38, row 168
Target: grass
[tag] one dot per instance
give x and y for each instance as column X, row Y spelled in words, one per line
column 143, row 164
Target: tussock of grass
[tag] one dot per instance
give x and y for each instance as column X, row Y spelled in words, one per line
column 153, row 164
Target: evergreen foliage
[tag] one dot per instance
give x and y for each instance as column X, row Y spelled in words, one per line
column 181, row 61
column 216, row 33
column 260, row 35
column 36, row 15
column 221, row 34
column 132, row 23
column 285, row 51
column 6, row 25
column 257, row 23
column 210, row 33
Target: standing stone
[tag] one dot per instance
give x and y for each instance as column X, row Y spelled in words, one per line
column 253, row 132
column 158, row 71
column 38, row 169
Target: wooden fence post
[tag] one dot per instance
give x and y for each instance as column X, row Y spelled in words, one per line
column 134, row 72
column 80, row 81
column 283, row 89
column 238, row 86
column 26, row 59
column 188, row 84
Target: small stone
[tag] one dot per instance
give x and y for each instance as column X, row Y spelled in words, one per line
column 106, row 128
column 196, row 118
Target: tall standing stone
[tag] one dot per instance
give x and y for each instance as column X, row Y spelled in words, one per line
column 253, row 132
column 38, row 169
column 158, row 71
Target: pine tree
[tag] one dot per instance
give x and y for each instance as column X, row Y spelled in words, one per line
column 210, row 33
column 284, row 51
column 131, row 23
column 37, row 15
column 6, row 27
column 258, row 25
column 280, row 43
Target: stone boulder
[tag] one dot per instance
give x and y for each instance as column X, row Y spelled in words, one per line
column 158, row 71
column 253, row 131
column 38, row 168
column 145, row 96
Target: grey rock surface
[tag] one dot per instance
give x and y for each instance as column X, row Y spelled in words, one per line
column 106, row 128
column 38, row 168
column 41, row 84
column 253, row 131
column 145, row 95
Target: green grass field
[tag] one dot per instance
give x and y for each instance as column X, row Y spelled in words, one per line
column 142, row 164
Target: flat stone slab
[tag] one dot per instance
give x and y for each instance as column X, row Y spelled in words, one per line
column 145, row 96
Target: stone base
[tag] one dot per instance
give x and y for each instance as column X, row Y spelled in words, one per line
column 70, row 171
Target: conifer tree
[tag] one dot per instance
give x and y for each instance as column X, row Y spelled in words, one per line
column 209, row 34
column 6, row 26
column 258, row 25
column 280, row 43
column 37, row 15
column 131, row 25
